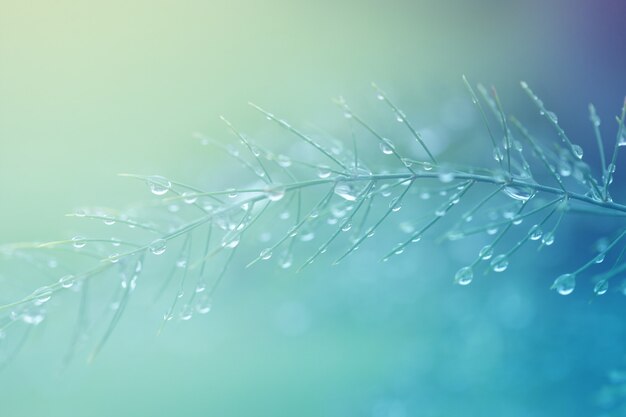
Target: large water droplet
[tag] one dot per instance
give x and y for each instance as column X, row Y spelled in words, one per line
column 577, row 151
column 158, row 185
column 500, row 263
column 564, row 284
column 42, row 295
column 601, row 287
column 464, row 276
column 486, row 252
column 346, row 191
column 67, row 281
column 266, row 254
column 190, row 197
column 386, row 147
column 323, row 171
column 517, row 192
column 78, row 242
column 548, row 239
column 535, row 232
column 158, row 246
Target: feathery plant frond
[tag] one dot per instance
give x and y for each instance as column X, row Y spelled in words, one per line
column 329, row 192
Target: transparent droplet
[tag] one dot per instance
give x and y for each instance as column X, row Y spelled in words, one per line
column 548, row 239
column 200, row 287
column 266, row 254
column 346, row 191
column 553, row 118
column 204, row 305
column 158, row 185
column 394, row 205
column 67, row 281
column 346, row 227
column 535, row 232
column 42, row 295
column 323, row 171
column 497, row 154
column 109, row 221
column 600, row 258
column 386, row 147
column 577, row 151
column 564, row 284
column 601, row 287
column 486, row 252
column 464, row 276
column 78, row 242
column 114, row 258
column 186, row 313
column 190, row 197
column 518, row 192
column 286, row 260
column 500, row 263
column 158, row 246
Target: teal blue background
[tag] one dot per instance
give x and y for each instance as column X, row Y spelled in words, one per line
column 89, row 90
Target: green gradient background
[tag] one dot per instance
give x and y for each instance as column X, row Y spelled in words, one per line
column 92, row 89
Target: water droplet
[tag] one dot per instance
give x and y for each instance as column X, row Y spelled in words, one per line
column 601, row 287
column 346, row 227
column 553, row 118
column 204, row 305
column 158, row 185
column 109, row 221
column 80, row 213
column 386, row 147
column 190, row 197
column 307, row 236
column 67, row 281
column 518, row 192
column 564, row 284
column 346, row 191
column 79, row 242
column 323, row 171
column 464, row 276
column 200, row 287
column 232, row 243
column 535, row 232
column 622, row 139
column 394, row 205
column 186, row 313
column 577, row 151
column 286, row 260
column 497, row 154
column 275, row 194
column 486, row 252
column 158, row 246
column 42, row 295
column 600, row 258
column 500, row 263
column 266, row 254
column 114, row 258
column 548, row 239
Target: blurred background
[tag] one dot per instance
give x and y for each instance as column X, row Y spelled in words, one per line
column 91, row 89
